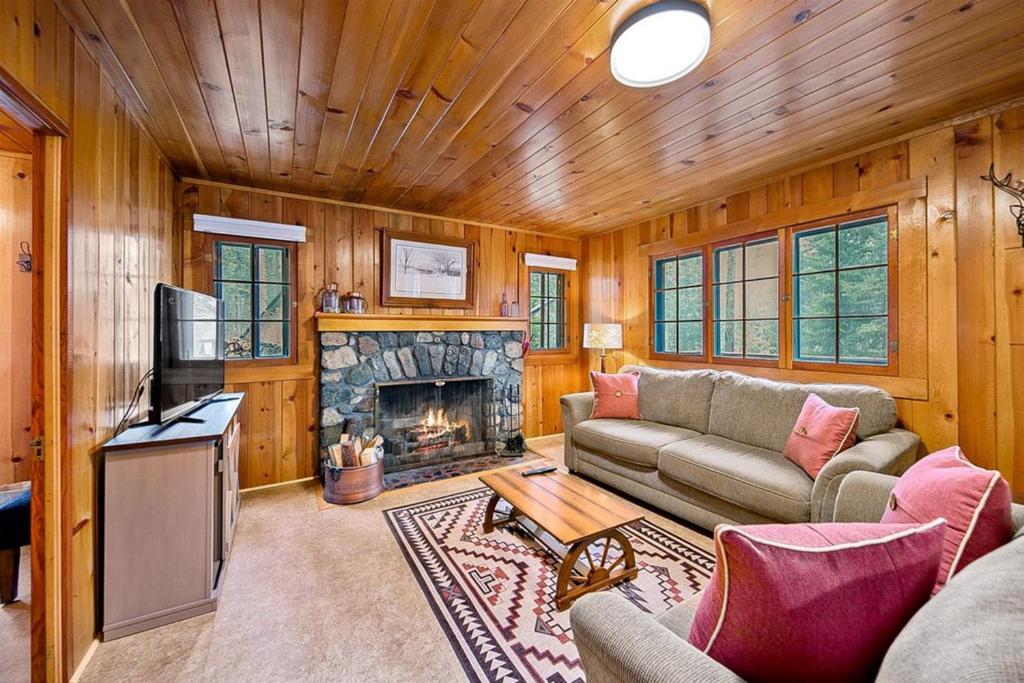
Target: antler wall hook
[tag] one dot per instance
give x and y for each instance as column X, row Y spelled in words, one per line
column 1007, row 185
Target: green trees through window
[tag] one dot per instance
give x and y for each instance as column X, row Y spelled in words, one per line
column 547, row 310
column 255, row 282
column 840, row 309
column 745, row 287
column 841, row 293
column 679, row 305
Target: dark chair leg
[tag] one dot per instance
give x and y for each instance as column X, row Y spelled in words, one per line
column 10, row 559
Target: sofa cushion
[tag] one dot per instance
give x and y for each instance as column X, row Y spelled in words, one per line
column 678, row 619
column 975, row 503
column 615, row 395
column 754, row 478
column 820, row 433
column 814, row 602
column 971, row 630
column 676, row 397
column 762, row 412
column 636, row 441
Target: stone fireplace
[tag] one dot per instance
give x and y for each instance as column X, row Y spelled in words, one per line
column 434, row 396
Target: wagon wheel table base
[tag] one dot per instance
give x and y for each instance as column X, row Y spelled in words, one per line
column 576, row 521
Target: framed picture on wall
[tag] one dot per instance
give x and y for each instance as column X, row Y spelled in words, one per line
column 427, row 270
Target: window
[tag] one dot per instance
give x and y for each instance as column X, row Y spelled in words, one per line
column 679, row 305
column 255, row 282
column 816, row 296
column 745, row 292
column 841, row 293
column 547, row 310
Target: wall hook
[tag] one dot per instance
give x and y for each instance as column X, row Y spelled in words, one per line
column 25, row 258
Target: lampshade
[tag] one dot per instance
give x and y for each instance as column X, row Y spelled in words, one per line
column 602, row 336
column 660, row 42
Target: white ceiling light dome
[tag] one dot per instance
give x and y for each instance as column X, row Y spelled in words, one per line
column 660, row 42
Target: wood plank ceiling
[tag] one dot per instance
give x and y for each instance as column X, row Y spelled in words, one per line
column 504, row 111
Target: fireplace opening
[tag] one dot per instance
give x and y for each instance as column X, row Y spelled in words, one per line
column 433, row 421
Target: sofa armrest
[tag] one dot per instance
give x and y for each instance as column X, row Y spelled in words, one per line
column 863, row 496
column 618, row 642
column 889, row 453
column 575, row 409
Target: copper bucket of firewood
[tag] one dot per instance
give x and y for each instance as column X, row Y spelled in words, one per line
column 347, row 485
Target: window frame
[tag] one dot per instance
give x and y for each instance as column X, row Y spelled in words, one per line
column 891, row 367
column 566, row 318
column 652, row 295
column 293, row 287
column 710, row 319
column 787, row 353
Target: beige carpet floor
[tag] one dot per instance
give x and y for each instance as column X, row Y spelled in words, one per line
column 310, row 594
column 15, row 628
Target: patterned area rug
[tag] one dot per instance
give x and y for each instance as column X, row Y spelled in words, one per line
column 493, row 593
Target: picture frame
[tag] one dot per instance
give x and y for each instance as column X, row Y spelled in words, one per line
column 427, row 271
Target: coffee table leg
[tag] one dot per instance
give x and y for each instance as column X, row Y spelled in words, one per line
column 489, row 522
column 596, row 574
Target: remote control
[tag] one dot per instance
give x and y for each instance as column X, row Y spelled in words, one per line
column 540, row 470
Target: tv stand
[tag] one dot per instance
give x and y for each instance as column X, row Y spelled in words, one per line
column 169, row 504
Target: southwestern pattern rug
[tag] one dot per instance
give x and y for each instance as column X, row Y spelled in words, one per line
column 493, row 594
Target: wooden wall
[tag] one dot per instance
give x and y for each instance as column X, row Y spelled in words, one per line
column 120, row 242
column 16, row 317
column 961, row 308
column 281, row 411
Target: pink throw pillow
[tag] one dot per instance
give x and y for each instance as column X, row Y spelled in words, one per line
column 616, row 396
column 821, row 431
column 975, row 503
column 813, row 602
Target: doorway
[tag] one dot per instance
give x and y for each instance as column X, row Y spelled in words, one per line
column 17, row 398
column 35, row 137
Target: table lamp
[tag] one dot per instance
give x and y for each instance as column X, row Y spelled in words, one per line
column 602, row 336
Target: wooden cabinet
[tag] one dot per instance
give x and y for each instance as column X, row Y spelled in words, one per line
column 231, row 499
column 170, row 501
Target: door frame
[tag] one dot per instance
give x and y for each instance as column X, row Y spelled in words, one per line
column 50, row 167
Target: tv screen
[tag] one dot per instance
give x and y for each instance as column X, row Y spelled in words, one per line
column 188, row 352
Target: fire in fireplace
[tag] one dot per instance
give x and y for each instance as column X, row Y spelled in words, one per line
column 436, row 431
column 433, row 421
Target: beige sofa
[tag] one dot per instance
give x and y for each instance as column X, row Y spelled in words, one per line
column 709, row 446
column 970, row 631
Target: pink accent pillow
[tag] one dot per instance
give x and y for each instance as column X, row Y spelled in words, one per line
column 616, row 396
column 813, row 602
column 975, row 503
column 821, row 431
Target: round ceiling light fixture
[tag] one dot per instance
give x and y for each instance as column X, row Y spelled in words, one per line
column 660, row 42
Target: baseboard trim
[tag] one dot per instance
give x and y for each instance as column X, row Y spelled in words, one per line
column 80, row 669
column 169, row 616
column 276, row 484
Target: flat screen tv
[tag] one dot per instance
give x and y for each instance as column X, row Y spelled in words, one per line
column 188, row 352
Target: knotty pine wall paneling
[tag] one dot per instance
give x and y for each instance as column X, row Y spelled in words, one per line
column 121, row 241
column 281, row 410
column 16, row 314
column 961, row 274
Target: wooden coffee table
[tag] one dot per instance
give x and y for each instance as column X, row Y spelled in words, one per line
column 575, row 520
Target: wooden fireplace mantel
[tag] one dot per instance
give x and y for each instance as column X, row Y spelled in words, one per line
column 352, row 322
